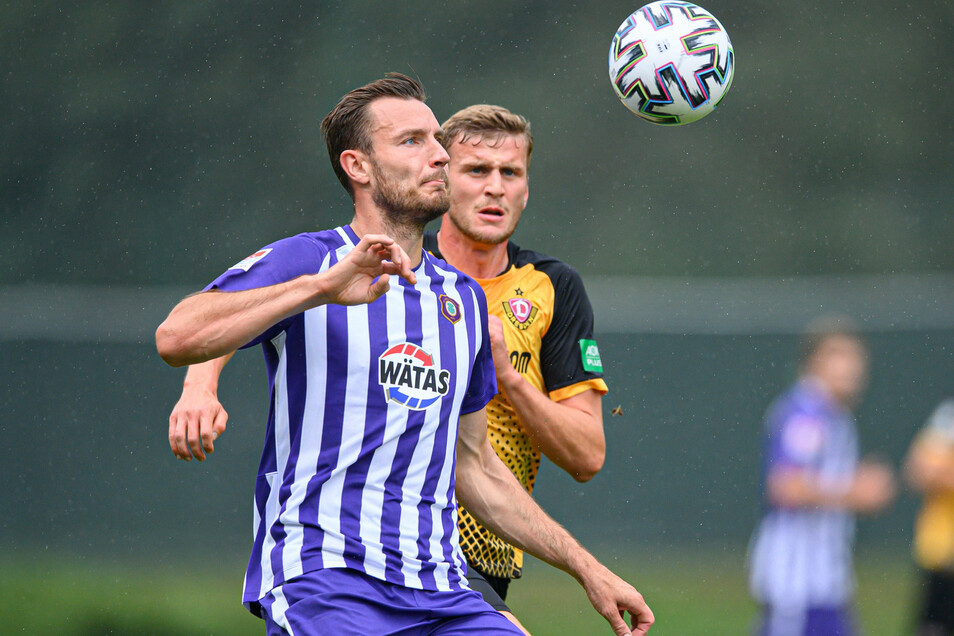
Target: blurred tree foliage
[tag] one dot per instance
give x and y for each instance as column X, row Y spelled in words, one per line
column 160, row 142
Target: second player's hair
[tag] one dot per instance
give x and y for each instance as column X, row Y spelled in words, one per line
column 348, row 125
column 486, row 122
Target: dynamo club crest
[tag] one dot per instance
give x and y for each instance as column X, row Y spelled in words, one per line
column 520, row 312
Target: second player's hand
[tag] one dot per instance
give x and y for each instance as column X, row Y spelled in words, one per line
column 498, row 347
column 613, row 597
column 197, row 419
column 362, row 275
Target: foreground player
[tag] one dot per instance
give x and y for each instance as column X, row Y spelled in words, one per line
column 355, row 515
column 930, row 470
column 801, row 563
column 541, row 327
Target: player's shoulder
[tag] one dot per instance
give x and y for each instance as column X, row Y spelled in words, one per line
column 441, row 267
column 559, row 272
column 800, row 403
column 324, row 240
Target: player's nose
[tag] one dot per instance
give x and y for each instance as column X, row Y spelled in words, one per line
column 494, row 184
column 439, row 156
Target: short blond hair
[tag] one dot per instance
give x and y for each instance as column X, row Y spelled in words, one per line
column 485, row 121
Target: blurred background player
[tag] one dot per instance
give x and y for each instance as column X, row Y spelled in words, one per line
column 548, row 367
column 930, row 470
column 801, row 554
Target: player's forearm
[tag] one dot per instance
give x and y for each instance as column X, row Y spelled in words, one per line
column 489, row 491
column 570, row 437
column 205, row 375
column 211, row 324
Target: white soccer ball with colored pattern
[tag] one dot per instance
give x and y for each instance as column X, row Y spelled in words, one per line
column 671, row 63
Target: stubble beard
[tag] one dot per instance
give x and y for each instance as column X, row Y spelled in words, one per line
column 490, row 237
column 406, row 210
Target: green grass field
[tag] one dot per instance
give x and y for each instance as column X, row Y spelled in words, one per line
column 692, row 592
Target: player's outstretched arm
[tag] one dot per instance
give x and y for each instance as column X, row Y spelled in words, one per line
column 869, row 490
column 494, row 496
column 569, row 432
column 198, row 418
column 211, row 324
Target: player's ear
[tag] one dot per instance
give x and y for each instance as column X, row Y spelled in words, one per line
column 526, row 195
column 357, row 165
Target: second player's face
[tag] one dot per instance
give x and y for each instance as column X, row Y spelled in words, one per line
column 488, row 187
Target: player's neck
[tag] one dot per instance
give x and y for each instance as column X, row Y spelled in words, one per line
column 374, row 221
column 477, row 260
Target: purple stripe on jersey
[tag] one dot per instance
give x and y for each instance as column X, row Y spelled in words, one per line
column 296, row 379
column 375, row 422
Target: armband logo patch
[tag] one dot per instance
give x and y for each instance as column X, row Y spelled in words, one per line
column 247, row 262
column 591, row 356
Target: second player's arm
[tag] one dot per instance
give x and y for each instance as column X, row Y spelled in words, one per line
column 492, row 494
column 568, row 432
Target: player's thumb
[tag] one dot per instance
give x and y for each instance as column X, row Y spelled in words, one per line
column 378, row 288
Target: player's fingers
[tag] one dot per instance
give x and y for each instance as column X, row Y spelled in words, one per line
column 178, row 436
column 207, row 430
column 402, row 264
column 195, row 437
column 218, row 427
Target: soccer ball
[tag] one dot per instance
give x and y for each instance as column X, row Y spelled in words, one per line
column 671, row 63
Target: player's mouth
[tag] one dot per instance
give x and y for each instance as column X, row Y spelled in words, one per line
column 491, row 213
column 436, row 179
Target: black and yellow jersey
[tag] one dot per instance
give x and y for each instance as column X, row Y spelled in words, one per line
column 548, row 326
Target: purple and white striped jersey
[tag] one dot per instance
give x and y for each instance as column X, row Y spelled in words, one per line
column 358, row 466
column 801, row 557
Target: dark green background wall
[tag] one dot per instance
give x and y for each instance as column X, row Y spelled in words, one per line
column 154, row 144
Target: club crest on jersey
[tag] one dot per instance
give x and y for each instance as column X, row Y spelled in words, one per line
column 520, row 312
column 449, row 308
column 247, row 262
column 409, row 377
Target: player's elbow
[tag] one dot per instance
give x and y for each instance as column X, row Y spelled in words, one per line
column 589, row 465
column 171, row 346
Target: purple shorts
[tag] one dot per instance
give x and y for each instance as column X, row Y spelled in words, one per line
column 340, row 601
column 809, row 621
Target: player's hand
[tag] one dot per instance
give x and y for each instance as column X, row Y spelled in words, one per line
column 196, row 421
column 612, row 597
column 362, row 275
column 498, row 347
column 874, row 486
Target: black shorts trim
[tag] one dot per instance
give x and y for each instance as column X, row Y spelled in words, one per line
column 488, row 586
